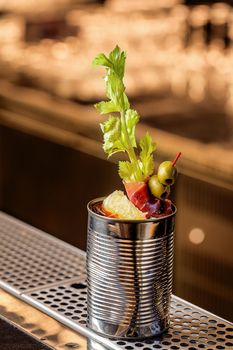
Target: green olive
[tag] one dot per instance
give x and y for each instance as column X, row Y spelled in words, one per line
column 157, row 189
column 167, row 173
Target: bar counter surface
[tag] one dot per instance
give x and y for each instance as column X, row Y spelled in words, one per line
column 49, row 274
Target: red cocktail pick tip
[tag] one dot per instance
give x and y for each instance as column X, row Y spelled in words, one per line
column 177, row 157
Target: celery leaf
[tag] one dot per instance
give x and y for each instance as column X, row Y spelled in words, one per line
column 126, row 171
column 102, row 60
column 106, row 107
column 118, row 57
column 146, row 155
column 115, row 68
column 112, row 136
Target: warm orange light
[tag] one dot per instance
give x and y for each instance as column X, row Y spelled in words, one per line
column 196, row 235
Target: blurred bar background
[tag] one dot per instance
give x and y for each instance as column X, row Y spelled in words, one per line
column 179, row 76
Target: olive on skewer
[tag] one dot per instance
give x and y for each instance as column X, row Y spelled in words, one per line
column 167, row 171
column 159, row 184
column 157, row 189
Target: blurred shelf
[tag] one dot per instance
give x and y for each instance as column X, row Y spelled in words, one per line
column 76, row 125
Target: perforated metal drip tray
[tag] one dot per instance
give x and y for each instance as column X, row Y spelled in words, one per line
column 50, row 275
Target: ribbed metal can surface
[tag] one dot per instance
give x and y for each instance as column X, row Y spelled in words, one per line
column 129, row 274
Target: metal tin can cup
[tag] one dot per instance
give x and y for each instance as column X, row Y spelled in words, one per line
column 129, row 274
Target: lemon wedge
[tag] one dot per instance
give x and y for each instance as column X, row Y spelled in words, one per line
column 118, row 204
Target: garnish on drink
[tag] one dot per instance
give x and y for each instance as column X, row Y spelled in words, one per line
column 147, row 192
